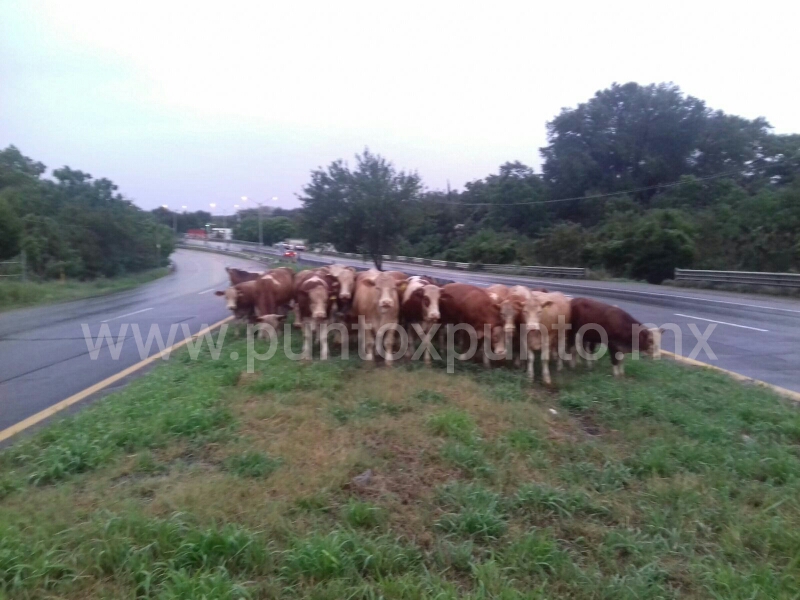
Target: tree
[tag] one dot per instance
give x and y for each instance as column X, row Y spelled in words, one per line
column 75, row 224
column 631, row 136
column 359, row 210
column 9, row 231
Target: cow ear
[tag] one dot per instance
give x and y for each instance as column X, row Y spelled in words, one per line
column 219, row 293
column 547, row 303
column 353, row 269
column 402, row 287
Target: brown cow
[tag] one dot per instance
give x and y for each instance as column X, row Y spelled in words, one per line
column 315, row 301
column 546, row 316
column 377, row 301
column 419, row 304
column 239, row 276
column 593, row 320
column 275, row 291
column 241, row 299
column 460, row 303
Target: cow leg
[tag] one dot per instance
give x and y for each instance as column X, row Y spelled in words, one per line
column 616, row 364
column 531, row 358
column 298, row 322
column 388, row 346
column 307, row 340
column 323, row 341
column 410, row 347
column 427, row 330
column 369, row 343
column 546, row 364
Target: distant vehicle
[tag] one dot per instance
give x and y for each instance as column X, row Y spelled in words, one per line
column 198, row 234
column 291, row 254
column 300, row 247
column 222, row 233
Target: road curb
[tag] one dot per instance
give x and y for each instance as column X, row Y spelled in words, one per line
column 790, row 394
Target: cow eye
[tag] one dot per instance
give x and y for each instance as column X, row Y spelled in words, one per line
column 426, row 301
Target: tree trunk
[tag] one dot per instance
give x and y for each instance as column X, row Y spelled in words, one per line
column 378, row 260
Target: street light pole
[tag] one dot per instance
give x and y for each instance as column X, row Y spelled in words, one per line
column 174, row 218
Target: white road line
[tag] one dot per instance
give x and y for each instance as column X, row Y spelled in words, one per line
column 130, row 314
column 207, row 291
column 722, row 322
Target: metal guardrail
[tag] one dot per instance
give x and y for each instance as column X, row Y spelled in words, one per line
column 21, row 269
column 754, row 278
column 560, row 272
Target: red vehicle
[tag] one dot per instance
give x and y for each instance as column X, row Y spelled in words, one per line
column 290, row 254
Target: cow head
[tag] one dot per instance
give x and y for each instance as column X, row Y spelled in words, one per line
column 531, row 317
column 318, row 298
column 499, row 341
column 430, row 302
column 650, row 342
column 346, row 279
column 386, row 287
column 231, row 297
column 508, row 313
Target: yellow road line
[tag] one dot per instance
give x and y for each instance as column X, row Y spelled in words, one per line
column 58, row 407
column 792, row 395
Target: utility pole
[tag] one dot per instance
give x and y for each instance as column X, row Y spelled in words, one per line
column 260, row 227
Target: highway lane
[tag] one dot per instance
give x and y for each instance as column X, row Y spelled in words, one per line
column 754, row 335
column 44, row 356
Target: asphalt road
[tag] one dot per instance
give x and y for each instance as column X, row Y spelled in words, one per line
column 44, row 356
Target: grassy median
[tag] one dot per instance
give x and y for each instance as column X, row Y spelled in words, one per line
column 21, row 294
column 203, row 481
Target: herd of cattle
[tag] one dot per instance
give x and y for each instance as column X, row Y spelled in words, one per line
column 339, row 297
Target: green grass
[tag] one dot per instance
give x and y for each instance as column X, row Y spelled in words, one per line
column 202, row 481
column 20, row 294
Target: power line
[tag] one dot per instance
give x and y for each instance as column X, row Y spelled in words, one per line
column 592, row 197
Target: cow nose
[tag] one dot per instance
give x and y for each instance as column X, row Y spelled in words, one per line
column 508, row 328
column 344, row 296
column 319, row 315
column 433, row 316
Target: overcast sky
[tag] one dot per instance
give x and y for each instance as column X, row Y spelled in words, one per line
column 199, row 102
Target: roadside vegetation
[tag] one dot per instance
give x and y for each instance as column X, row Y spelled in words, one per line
column 73, row 225
column 20, row 294
column 344, row 480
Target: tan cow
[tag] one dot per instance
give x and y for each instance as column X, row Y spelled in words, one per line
column 377, row 301
column 419, row 305
column 314, row 303
column 511, row 301
column 546, row 317
column 346, row 276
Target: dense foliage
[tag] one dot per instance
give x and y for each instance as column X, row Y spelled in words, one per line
column 635, row 182
column 74, row 225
